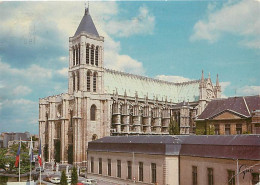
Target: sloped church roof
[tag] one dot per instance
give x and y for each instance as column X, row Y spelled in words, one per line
column 176, row 92
column 87, row 25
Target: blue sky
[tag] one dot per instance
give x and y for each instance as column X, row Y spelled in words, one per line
column 169, row 40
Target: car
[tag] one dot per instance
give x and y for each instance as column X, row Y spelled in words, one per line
column 68, row 178
column 40, row 169
column 55, row 180
column 89, row 181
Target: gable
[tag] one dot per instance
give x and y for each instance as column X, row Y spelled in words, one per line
column 226, row 115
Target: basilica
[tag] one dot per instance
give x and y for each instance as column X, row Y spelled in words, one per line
column 103, row 102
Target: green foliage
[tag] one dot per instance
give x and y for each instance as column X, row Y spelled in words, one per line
column 246, row 132
column 171, row 127
column 200, row 128
column 174, row 127
column 3, row 179
column 8, row 157
column 210, row 129
column 34, row 138
column 63, row 180
column 74, row 176
column 3, row 158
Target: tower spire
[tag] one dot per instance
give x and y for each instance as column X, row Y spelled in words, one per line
column 217, row 81
column 209, row 75
column 202, row 76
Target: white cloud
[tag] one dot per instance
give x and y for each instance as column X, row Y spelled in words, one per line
column 32, row 73
column 176, row 79
column 21, row 90
column 238, row 18
column 224, row 86
column 248, row 90
column 143, row 23
column 63, row 71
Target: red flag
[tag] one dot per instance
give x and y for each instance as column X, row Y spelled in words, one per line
column 40, row 155
column 18, row 156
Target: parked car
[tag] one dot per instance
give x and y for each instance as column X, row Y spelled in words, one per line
column 68, row 178
column 55, row 180
column 40, row 169
column 89, row 181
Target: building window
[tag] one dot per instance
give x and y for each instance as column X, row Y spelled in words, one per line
column 194, row 175
column 92, row 55
column 141, row 171
column 227, row 129
column 74, row 51
column 76, row 55
column 95, row 82
column 210, row 176
column 129, row 170
column 96, row 56
column 87, row 54
column 78, row 80
column 153, row 169
column 231, row 177
column 239, row 128
column 100, row 166
column 93, row 113
column 255, row 178
column 109, row 167
column 74, row 81
column 79, row 55
column 119, row 168
column 88, row 80
column 92, row 164
column 216, row 129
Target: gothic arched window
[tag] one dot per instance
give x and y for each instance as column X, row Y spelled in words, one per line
column 73, row 50
column 79, row 54
column 87, row 54
column 74, row 81
column 96, row 56
column 76, row 53
column 92, row 55
column 78, row 78
column 93, row 113
column 88, row 80
column 95, row 82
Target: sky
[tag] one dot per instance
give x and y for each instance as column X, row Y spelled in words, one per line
column 167, row 40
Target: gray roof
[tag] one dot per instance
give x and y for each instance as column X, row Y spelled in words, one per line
column 87, row 25
column 231, row 146
column 242, row 106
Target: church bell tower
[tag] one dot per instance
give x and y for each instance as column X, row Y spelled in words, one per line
column 86, row 56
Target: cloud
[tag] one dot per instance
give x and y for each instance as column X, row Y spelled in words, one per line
column 248, row 90
column 34, row 52
column 143, row 23
column 176, row 79
column 63, row 71
column 224, row 86
column 22, row 90
column 239, row 18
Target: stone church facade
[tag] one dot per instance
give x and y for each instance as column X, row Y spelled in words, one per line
column 102, row 102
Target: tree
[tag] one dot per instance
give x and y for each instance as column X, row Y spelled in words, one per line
column 3, row 158
column 171, row 127
column 74, row 176
column 176, row 128
column 63, row 180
